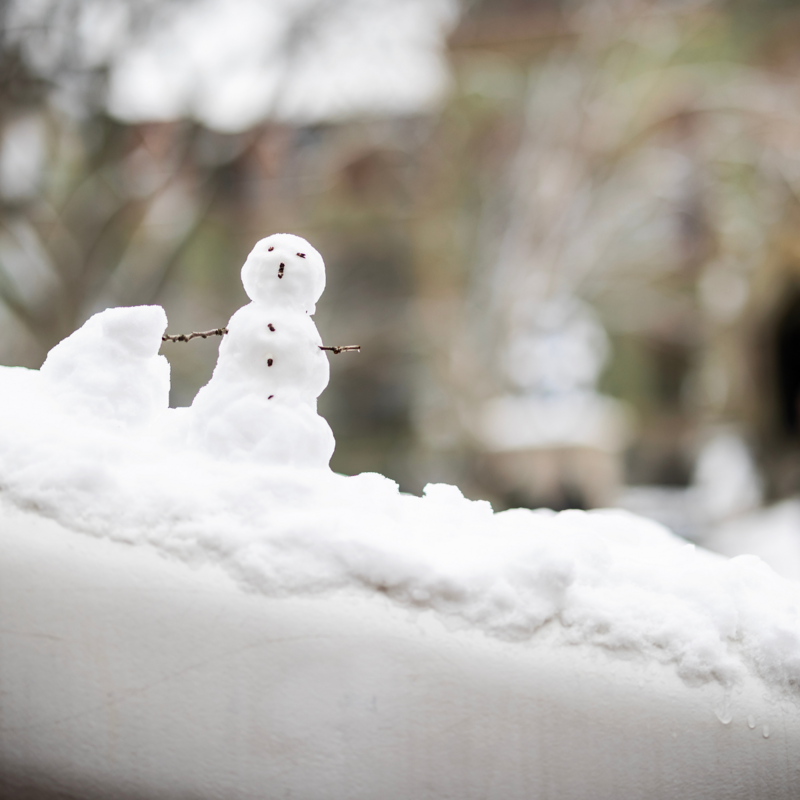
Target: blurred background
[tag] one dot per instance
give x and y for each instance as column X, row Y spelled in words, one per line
column 565, row 234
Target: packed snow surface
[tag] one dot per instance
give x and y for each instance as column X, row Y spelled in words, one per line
column 242, row 480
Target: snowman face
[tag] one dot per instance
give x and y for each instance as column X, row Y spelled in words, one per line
column 286, row 271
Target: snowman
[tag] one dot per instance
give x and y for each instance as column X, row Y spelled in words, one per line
column 261, row 401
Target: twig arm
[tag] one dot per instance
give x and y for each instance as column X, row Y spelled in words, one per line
column 342, row 348
column 187, row 337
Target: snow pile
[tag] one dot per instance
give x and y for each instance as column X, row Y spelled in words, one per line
column 241, row 479
column 106, row 369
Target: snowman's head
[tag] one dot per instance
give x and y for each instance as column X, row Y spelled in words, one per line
column 284, row 270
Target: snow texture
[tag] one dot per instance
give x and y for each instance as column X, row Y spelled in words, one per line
column 242, row 481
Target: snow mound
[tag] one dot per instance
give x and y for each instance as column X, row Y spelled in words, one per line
column 110, row 368
column 89, row 440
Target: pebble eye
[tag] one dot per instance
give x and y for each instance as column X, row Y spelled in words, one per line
column 302, row 255
column 270, row 249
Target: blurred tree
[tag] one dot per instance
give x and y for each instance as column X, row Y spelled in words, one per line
column 641, row 156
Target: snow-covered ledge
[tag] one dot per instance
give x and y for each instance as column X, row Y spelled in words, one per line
column 128, row 675
column 193, row 605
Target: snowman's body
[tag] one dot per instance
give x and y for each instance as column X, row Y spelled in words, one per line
column 261, row 401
